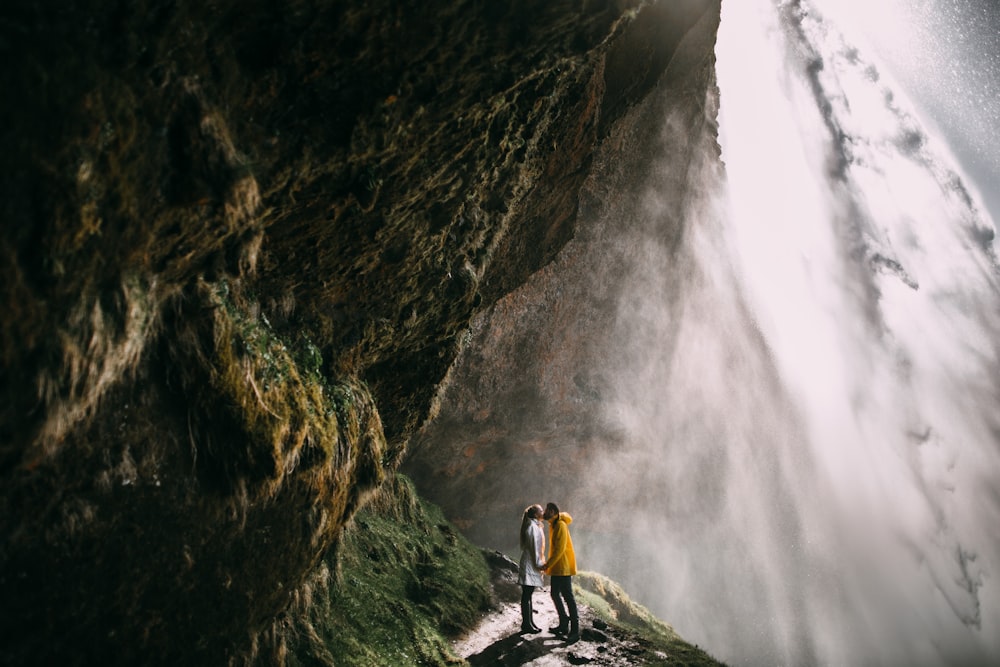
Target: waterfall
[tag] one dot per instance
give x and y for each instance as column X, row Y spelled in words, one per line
column 813, row 379
column 871, row 273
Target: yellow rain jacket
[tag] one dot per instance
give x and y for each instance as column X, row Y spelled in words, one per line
column 562, row 560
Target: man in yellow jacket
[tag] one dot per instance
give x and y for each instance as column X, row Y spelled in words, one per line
column 561, row 566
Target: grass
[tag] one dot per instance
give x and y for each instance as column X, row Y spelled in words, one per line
column 401, row 581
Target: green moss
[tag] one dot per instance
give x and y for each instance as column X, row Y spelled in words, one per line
column 280, row 397
column 405, row 580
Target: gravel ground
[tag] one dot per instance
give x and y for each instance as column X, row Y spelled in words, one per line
column 496, row 641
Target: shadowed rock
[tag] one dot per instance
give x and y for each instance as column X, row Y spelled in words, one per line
column 241, row 242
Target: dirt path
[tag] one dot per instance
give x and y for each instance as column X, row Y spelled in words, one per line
column 496, row 642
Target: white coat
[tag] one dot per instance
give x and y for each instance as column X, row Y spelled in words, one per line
column 532, row 557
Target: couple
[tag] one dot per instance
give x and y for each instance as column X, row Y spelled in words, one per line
column 560, row 565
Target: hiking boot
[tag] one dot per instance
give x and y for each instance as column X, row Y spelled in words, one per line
column 574, row 631
column 562, row 628
column 529, row 619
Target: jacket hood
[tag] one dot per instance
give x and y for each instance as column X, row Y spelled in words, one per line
column 565, row 517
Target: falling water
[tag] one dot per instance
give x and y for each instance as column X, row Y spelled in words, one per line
column 871, row 274
column 817, row 479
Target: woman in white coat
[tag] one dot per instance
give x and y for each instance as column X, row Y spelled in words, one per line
column 529, row 573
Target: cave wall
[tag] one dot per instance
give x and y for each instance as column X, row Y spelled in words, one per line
column 529, row 414
column 241, row 243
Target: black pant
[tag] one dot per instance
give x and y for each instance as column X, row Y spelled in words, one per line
column 562, row 589
column 527, row 620
column 526, row 592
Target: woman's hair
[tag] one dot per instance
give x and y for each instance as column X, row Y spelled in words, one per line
column 530, row 512
column 552, row 508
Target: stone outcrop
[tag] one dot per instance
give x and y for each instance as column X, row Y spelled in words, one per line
column 241, row 245
column 529, row 414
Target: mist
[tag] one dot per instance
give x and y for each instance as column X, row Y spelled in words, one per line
column 806, row 381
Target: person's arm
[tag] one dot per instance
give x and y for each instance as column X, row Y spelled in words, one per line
column 558, row 547
column 538, row 539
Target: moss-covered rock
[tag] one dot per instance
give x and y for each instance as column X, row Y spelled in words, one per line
column 240, row 242
column 400, row 584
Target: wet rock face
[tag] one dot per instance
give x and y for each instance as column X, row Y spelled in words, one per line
column 240, row 242
column 528, row 413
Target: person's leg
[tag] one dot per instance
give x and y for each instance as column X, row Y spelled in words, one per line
column 574, row 620
column 557, row 599
column 526, row 622
column 531, row 612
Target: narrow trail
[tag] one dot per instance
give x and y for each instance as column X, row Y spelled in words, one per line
column 496, row 641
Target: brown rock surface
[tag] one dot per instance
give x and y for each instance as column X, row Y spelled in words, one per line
column 525, row 415
column 240, row 242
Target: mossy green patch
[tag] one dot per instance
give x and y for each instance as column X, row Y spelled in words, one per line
column 270, row 408
column 403, row 580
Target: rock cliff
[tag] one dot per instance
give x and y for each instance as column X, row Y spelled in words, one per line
column 534, row 405
column 242, row 245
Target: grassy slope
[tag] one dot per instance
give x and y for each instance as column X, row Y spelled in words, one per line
column 662, row 645
column 404, row 580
